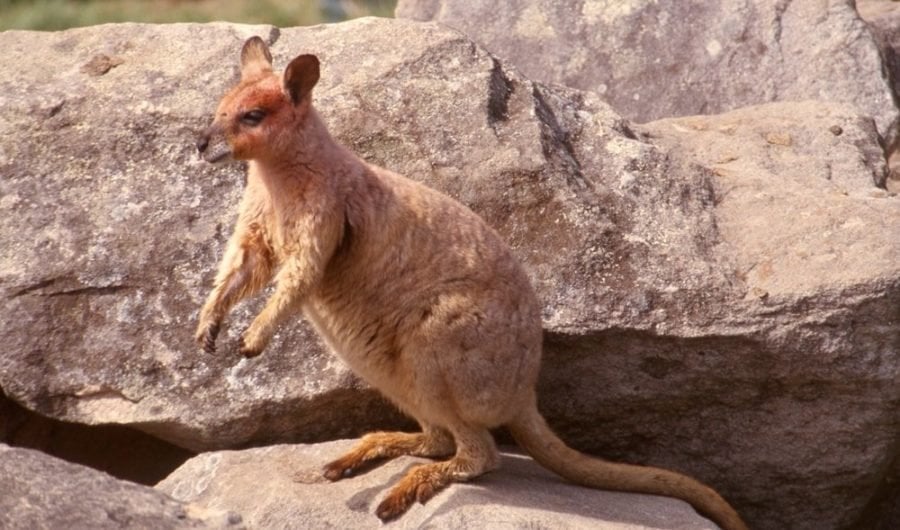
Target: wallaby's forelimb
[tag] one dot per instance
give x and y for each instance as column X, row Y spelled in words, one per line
column 245, row 270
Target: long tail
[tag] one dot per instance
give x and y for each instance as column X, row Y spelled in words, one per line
column 533, row 434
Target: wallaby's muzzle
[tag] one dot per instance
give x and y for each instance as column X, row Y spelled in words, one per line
column 211, row 144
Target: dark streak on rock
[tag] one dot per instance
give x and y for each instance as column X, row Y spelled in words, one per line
column 39, row 285
column 780, row 9
column 87, row 290
column 555, row 142
column 54, row 110
column 623, row 127
column 91, row 290
column 499, row 91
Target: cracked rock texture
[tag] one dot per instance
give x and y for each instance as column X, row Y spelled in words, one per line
column 883, row 18
column 282, row 487
column 720, row 293
column 662, row 58
column 121, row 451
column 40, row 491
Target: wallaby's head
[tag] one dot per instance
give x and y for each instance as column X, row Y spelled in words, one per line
column 259, row 118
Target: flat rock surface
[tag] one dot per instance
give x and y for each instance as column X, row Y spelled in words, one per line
column 282, row 487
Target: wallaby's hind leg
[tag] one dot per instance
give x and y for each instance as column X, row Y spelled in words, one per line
column 431, row 443
column 476, row 454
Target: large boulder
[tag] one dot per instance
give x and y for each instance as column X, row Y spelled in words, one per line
column 720, row 293
column 282, row 487
column 124, row 228
column 667, row 58
column 814, row 243
column 40, row 491
column 114, row 226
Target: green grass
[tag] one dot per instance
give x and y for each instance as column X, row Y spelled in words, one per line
column 49, row 15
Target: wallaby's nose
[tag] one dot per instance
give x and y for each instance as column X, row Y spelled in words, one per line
column 202, row 142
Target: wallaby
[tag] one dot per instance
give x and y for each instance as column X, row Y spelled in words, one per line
column 410, row 288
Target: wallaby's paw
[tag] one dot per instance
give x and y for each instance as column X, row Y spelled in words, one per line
column 420, row 484
column 206, row 336
column 394, row 505
column 251, row 344
column 340, row 468
column 350, row 465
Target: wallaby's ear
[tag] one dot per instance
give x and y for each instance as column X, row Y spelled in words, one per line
column 301, row 76
column 255, row 57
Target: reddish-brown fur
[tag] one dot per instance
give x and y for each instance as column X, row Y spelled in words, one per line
column 411, row 289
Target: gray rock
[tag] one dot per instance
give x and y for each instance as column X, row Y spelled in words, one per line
column 720, row 293
column 282, row 487
column 113, row 228
column 883, row 17
column 40, row 491
column 814, row 243
column 123, row 452
column 658, row 59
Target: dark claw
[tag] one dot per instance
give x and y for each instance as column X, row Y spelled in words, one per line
column 209, row 338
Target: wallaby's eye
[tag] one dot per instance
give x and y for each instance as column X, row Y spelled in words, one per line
column 253, row 117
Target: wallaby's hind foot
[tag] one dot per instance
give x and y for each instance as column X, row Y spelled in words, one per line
column 420, row 484
column 381, row 446
column 476, row 454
